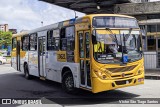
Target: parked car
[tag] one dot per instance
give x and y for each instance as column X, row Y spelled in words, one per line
column 3, row 60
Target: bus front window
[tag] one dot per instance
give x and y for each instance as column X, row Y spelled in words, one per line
column 110, row 48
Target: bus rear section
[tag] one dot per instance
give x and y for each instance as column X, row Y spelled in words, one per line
column 16, row 51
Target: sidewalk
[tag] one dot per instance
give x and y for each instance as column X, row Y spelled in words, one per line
column 152, row 74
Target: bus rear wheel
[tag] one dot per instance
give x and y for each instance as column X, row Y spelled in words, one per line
column 68, row 83
column 26, row 72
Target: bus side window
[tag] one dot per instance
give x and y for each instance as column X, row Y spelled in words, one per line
column 25, row 43
column 70, row 38
column 70, row 43
column 67, row 42
column 53, row 40
column 63, row 40
column 50, row 40
column 14, row 43
column 56, row 39
column 33, row 42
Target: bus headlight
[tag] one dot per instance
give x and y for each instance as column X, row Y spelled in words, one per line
column 101, row 74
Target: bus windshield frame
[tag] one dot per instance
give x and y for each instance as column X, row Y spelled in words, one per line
column 116, row 57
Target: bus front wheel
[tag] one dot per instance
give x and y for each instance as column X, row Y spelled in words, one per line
column 26, row 72
column 68, row 83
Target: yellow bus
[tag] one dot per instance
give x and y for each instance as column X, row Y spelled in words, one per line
column 97, row 52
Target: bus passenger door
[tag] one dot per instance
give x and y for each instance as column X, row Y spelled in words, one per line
column 84, row 54
column 41, row 56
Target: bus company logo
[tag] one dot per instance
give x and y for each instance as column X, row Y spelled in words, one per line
column 6, row 101
column 123, row 75
column 61, row 56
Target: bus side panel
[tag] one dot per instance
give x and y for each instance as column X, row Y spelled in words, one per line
column 54, row 68
column 75, row 69
column 33, row 63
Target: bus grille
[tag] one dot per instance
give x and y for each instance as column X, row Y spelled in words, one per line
column 121, row 69
column 120, row 76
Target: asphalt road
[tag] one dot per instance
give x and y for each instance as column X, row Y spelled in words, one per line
column 14, row 85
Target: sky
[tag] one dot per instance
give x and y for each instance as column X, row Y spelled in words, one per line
column 28, row 14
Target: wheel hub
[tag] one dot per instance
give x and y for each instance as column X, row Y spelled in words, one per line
column 69, row 82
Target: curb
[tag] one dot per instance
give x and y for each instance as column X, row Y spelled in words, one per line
column 153, row 77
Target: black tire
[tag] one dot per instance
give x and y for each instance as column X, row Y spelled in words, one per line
column 26, row 72
column 68, row 83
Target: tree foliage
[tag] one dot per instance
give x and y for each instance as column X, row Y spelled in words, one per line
column 5, row 38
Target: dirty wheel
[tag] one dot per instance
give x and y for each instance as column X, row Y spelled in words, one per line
column 26, row 72
column 68, row 83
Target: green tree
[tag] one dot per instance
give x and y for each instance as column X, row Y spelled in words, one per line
column 5, row 38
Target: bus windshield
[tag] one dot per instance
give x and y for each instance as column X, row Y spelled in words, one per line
column 110, row 48
column 114, row 22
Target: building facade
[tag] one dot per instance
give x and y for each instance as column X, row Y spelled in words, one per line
column 4, row 27
column 151, row 42
column 148, row 16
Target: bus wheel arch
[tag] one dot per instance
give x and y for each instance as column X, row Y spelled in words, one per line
column 66, row 70
column 68, row 81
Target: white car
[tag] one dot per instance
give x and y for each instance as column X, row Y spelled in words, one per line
column 3, row 60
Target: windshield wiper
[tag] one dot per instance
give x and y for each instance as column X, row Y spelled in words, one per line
column 124, row 50
column 124, row 42
column 129, row 33
column 126, row 38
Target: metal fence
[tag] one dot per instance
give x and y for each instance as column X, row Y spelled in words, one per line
column 150, row 60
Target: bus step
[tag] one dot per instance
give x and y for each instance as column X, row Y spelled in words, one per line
column 42, row 78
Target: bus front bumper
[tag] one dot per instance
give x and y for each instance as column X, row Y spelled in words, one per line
column 99, row 85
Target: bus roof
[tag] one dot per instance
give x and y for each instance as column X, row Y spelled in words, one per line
column 19, row 34
column 65, row 23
